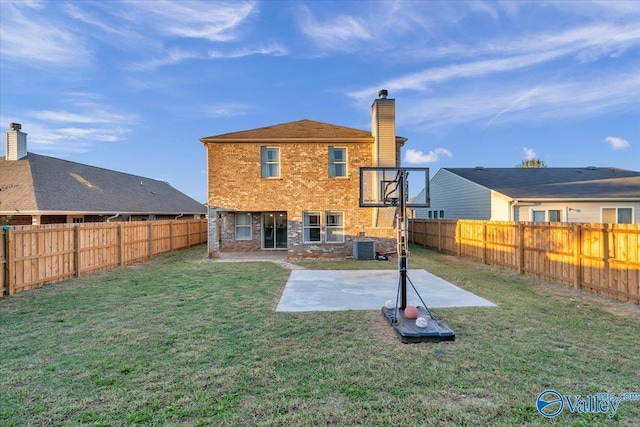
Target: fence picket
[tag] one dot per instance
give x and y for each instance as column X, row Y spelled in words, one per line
column 33, row 256
column 600, row 258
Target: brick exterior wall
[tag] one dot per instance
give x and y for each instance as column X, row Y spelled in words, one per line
column 235, row 185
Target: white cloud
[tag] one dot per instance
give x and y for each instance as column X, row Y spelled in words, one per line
column 99, row 116
column 585, row 43
column 63, row 131
column 617, row 143
column 337, row 33
column 501, row 102
column 413, row 157
column 529, row 153
column 227, row 110
column 38, row 41
column 273, row 50
column 212, row 21
column 170, row 57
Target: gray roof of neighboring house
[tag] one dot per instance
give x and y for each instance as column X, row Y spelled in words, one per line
column 556, row 183
column 41, row 183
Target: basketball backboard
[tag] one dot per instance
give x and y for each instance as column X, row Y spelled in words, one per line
column 380, row 187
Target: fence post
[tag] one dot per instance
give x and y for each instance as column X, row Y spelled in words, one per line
column 458, row 242
column 439, row 235
column 520, row 248
column 9, row 273
column 188, row 234
column 577, row 248
column 120, row 245
column 605, row 258
column 170, row 236
column 150, row 242
column 484, row 242
column 76, row 252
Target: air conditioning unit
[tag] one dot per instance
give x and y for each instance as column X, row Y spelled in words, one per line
column 364, row 249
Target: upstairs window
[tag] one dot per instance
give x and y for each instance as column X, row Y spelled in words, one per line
column 337, row 162
column 270, row 162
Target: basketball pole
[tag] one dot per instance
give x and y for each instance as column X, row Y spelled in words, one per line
column 402, row 245
column 407, row 328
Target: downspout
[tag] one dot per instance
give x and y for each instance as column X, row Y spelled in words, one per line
column 113, row 217
column 179, row 216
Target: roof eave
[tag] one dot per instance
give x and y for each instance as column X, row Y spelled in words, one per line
column 576, row 199
column 213, row 140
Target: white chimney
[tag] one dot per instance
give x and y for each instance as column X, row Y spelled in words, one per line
column 16, row 142
column 383, row 129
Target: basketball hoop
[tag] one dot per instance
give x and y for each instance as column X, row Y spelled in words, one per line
column 386, row 187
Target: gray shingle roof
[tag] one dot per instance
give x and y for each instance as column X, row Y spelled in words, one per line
column 44, row 183
column 556, row 183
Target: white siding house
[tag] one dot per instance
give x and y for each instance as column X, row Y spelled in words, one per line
column 586, row 195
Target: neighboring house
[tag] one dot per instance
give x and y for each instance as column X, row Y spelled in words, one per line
column 586, row 195
column 36, row 189
column 295, row 186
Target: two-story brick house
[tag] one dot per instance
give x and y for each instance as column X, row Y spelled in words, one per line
column 295, row 186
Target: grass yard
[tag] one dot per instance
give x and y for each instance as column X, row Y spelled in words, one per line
column 186, row 341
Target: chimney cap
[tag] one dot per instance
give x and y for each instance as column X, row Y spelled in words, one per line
column 15, row 126
column 382, row 93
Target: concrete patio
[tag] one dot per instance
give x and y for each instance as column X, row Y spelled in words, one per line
column 338, row 290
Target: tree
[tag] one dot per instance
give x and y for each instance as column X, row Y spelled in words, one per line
column 532, row 163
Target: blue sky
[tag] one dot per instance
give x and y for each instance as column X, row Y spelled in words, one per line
column 133, row 85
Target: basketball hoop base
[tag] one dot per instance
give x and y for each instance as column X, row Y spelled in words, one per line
column 408, row 332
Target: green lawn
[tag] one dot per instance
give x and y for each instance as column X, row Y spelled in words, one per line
column 186, row 341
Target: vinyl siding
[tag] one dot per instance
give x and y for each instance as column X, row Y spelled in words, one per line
column 458, row 197
column 383, row 127
column 500, row 207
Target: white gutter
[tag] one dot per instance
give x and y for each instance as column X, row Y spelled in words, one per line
column 113, row 217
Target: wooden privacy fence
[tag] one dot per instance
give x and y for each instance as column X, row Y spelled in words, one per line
column 32, row 256
column 601, row 258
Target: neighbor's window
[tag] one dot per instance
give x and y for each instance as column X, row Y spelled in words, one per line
column 441, row 214
column 430, row 213
column 617, row 215
column 270, row 162
column 554, row 216
column 243, row 226
column 537, row 216
column 335, row 227
column 337, row 162
column 311, row 227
